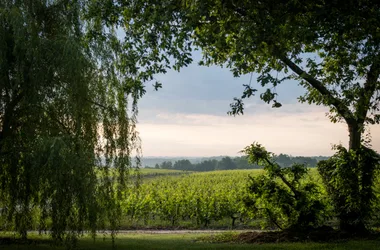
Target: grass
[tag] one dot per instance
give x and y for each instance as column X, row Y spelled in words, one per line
column 186, row 241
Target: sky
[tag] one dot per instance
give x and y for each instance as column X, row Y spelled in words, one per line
column 188, row 118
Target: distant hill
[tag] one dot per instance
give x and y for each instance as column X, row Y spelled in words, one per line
column 151, row 161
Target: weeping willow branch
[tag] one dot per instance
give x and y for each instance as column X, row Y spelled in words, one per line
column 67, row 136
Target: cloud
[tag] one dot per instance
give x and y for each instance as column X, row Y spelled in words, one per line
column 305, row 133
column 188, row 117
column 253, row 111
column 200, row 89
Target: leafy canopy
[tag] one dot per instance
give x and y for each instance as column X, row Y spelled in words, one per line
column 330, row 47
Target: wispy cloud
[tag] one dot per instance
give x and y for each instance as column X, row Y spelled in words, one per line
column 188, row 117
column 298, row 133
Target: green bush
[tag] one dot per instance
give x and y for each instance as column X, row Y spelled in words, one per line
column 283, row 196
column 349, row 178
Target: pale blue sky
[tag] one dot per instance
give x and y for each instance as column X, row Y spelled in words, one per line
column 188, row 117
column 209, row 90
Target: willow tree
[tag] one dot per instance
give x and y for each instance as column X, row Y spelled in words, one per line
column 68, row 106
column 330, row 47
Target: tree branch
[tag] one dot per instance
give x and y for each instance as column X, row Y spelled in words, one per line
column 8, row 113
column 366, row 93
column 337, row 103
column 98, row 104
column 284, row 180
column 273, row 220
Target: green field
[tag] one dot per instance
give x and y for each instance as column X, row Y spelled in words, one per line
column 187, row 241
column 178, row 199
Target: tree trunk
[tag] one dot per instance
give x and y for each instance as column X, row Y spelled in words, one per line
column 233, row 221
column 355, row 136
column 352, row 221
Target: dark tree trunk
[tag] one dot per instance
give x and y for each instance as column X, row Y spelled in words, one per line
column 355, row 136
column 352, row 221
column 233, row 221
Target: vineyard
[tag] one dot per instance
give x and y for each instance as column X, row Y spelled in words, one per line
column 180, row 199
column 191, row 200
column 173, row 199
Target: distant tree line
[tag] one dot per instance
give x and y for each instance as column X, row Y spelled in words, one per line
column 227, row 163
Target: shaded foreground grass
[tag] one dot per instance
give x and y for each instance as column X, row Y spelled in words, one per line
column 143, row 241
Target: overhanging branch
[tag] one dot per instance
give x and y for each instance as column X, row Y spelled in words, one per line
column 337, row 103
column 369, row 88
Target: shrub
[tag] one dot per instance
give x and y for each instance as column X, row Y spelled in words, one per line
column 349, row 178
column 283, row 196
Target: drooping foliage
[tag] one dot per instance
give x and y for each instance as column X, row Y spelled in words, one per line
column 283, row 195
column 68, row 106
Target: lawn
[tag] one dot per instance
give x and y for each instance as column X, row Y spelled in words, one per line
column 143, row 241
